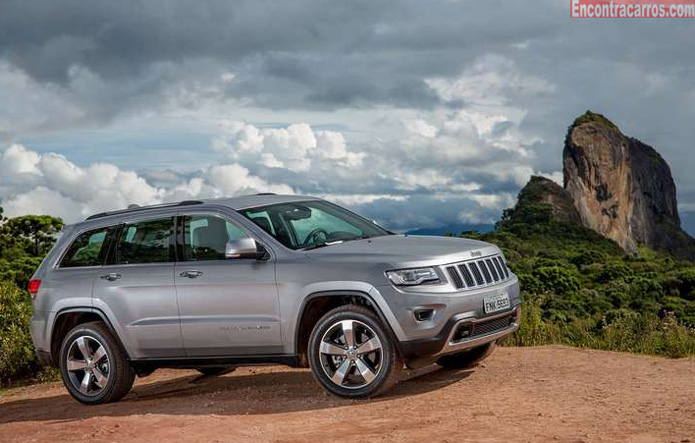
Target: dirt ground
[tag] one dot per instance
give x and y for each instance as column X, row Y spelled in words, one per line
column 547, row 394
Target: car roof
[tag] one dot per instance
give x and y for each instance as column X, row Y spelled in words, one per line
column 236, row 203
column 255, row 200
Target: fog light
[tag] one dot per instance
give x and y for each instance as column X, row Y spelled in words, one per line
column 423, row 314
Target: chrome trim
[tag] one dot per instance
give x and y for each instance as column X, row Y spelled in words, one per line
column 455, row 346
column 507, row 273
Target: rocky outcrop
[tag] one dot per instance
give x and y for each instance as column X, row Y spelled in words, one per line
column 622, row 188
column 542, row 190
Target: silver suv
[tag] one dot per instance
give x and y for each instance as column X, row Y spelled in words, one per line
column 261, row 279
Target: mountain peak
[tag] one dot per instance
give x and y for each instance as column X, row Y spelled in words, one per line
column 593, row 117
column 622, row 188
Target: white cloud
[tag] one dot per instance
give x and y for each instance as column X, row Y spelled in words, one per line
column 295, row 147
column 492, row 80
column 521, row 46
column 227, row 77
column 555, row 176
column 420, row 127
column 42, row 200
column 18, row 162
column 360, row 199
column 233, row 179
column 493, row 201
column 419, row 178
column 34, row 183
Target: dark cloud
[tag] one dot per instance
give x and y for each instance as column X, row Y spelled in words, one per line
column 299, row 53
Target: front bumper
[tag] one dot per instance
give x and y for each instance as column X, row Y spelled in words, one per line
column 458, row 323
column 448, row 340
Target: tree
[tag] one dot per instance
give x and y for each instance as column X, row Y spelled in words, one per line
column 39, row 230
column 4, row 238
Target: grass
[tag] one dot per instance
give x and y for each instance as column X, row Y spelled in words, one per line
column 593, row 117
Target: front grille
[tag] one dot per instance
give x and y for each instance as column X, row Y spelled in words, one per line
column 473, row 330
column 474, row 274
column 455, row 277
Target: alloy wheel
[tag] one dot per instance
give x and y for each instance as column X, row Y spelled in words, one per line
column 351, row 354
column 88, row 365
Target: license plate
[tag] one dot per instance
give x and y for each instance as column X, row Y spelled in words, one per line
column 495, row 303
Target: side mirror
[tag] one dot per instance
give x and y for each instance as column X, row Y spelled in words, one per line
column 243, row 248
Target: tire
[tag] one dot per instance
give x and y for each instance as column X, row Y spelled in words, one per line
column 215, row 370
column 110, row 374
column 357, row 374
column 467, row 359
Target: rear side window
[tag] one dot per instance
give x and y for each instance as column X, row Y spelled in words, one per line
column 146, row 242
column 88, row 249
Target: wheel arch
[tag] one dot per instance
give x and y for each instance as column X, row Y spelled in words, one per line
column 316, row 304
column 68, row 318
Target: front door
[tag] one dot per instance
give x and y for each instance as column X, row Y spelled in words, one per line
column 138, row 288
column 228, row 306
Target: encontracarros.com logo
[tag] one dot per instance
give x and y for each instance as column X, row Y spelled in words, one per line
column 632, row 8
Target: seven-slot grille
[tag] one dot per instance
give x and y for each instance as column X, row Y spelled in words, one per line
column 474, row 274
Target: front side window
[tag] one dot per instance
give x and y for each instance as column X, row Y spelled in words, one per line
column 88, row 249
column 307, row 224
column 206, row 237
column 146, row 242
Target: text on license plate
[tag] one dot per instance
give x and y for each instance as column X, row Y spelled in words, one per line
column 496, row 303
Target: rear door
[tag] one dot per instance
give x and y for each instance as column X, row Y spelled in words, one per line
column 228, row 306
column 137, row 286
column 81, row 264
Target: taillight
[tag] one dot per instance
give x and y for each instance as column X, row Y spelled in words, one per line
column 34, row 285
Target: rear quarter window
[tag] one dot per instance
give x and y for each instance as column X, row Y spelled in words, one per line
column 88, row 249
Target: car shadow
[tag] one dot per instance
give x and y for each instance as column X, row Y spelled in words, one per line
column 274, row 392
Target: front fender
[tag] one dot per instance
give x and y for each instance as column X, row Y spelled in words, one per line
column 336, row 289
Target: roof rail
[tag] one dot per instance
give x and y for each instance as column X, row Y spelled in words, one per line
column 266, row 193
column 134, row 208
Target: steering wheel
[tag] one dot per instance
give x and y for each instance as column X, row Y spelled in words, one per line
column 313, row 236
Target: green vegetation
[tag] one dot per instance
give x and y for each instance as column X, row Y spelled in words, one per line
column 16, row 350
column 581, row 289
column 593, row 117
column 23, row 243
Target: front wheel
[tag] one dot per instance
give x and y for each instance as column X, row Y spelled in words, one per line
column 467, row 359
column 352, row 355
column 94, row 367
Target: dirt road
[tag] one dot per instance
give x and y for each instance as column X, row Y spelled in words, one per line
column 519, row 394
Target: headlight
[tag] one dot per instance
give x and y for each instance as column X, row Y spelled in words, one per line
column 411, row 277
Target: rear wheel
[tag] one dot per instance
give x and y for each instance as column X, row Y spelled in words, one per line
column 467, row 359
column 94, row 367
column 216, row 370
column 351, row 354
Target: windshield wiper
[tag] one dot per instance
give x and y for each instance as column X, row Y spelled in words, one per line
column 322, row 244
column 335, row 242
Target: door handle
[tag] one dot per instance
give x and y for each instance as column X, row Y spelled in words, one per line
column 113, row 276
column 191, row 274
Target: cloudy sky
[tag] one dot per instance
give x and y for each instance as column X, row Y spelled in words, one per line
column 415, row 113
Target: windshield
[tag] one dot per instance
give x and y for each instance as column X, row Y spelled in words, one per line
column 310, row 224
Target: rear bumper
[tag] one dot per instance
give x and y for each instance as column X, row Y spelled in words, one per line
column 44, row 358
column 38, row 323
column 453, row 338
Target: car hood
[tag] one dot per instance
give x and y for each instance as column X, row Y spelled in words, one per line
column 405, row 250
